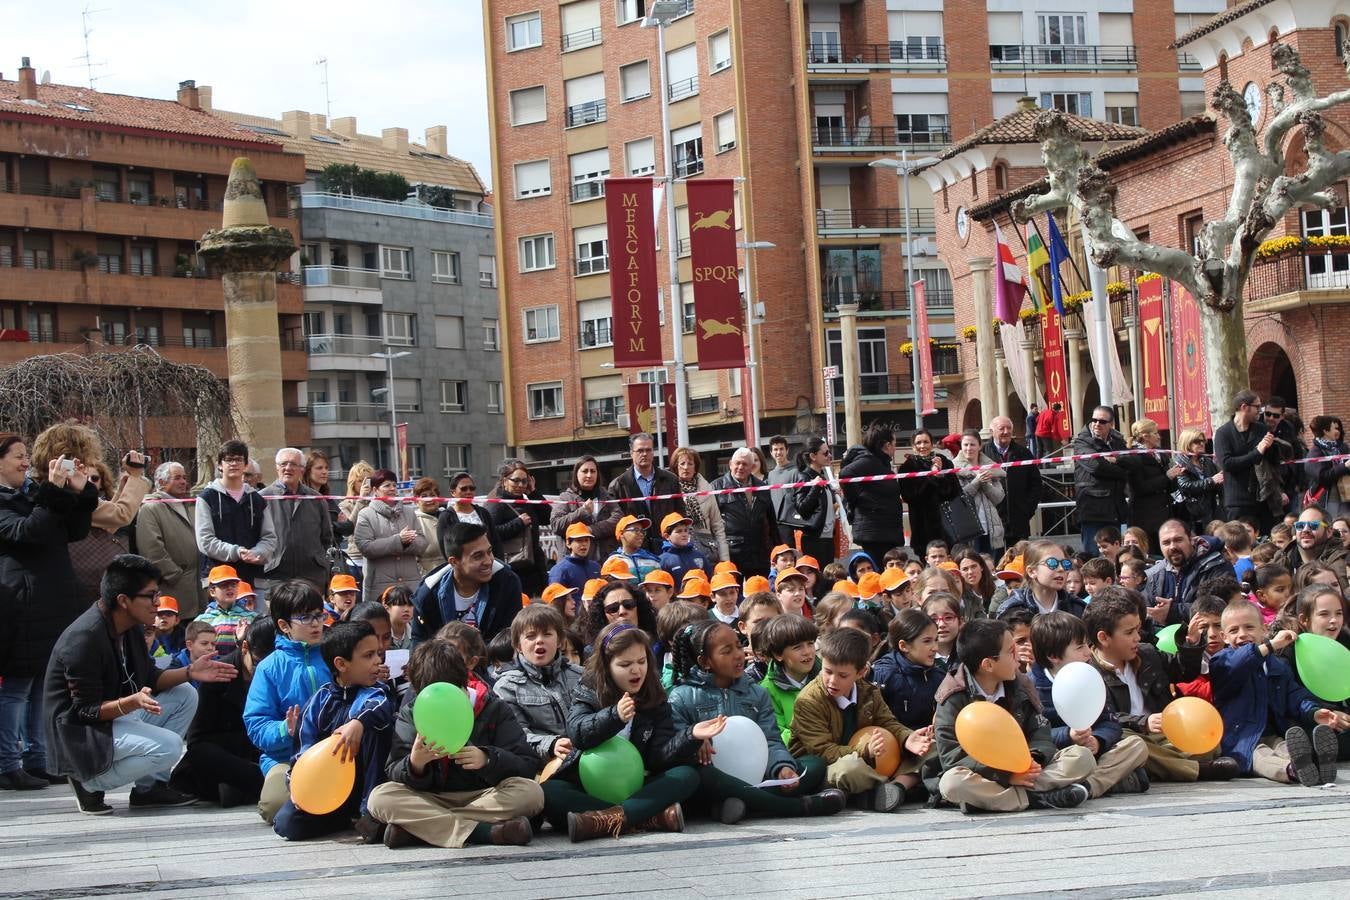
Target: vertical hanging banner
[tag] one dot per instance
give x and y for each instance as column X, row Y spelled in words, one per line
column 1188, row 363
column 401, row 439
column 632, row 272
column 642, row 417
column 1056, row 378
column 927, row 391
column 717, row 290
column 1151, row 351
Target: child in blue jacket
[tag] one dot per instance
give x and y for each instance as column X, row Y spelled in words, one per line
column 577, row 567
column 710, row 681
column 909, row 675
column 679, row 553
column 282, row 685
column 1254, row 688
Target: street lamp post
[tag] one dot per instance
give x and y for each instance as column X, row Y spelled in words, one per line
column 904, row 168
column 750, row 312
column 389, row 356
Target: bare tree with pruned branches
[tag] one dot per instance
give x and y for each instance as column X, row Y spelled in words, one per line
column 1262, row 194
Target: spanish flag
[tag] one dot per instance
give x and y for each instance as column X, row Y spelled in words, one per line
column 1038, row 259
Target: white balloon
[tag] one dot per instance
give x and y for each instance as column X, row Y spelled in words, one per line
column 742, row 750
column 1079, row 694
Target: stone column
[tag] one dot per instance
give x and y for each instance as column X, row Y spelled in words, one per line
column 980, row 269
column 1001, row 382
column 1028, row 348
column 1136, row 370
column 1075, row 338
column 246, row 251
column 848, row 338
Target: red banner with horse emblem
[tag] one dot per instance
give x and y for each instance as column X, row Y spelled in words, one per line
column 1188, row 362
column 1056, row 378
column 641, row 416
column 1151, row 351
column 632, row 272
column 717, row 290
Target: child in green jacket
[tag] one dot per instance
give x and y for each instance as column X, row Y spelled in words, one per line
column 790, row 643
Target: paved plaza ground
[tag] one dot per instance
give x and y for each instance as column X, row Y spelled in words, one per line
column 1248, row 838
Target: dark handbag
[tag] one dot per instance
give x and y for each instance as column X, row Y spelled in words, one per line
column 960, row 521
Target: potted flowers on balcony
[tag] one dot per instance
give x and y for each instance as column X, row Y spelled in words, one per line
column 969, row 332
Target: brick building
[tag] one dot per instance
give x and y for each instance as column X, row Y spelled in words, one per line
column 1169, row 183
column 102, row 199
column 797, row 98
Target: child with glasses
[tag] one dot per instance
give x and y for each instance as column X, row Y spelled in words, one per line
column 632, row 534
column 1044, row 590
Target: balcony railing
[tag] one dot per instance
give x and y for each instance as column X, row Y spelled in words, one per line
column 874, row 139
column 341, row 276
column 921, row 220
column 938, row 299
column 587, row 37
column 587, row 113
column 1186, row 62
column 590, row 265
column 343, row 344
column 40, row 189
column 688, row 165
column 588, row 190
column 334, row 413
column 685, row 87
column 126, row 195
column 1096, row 57
column 893, row 55
column 401, row 209
column 1299, row 270
column 120, row 267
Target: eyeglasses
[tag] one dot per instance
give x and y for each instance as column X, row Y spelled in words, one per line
column 153, row 595
column 308, row 619
column 234, row 461
column 516, row 480
column 1103, row 421
column 943, row 620
column 1307, row 526
column 612, row 608
column 1052, row 563
column 1272, row 415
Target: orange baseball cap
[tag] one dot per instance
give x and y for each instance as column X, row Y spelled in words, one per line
column 591, row 588
column 167, row 604
column 555, row 590
column 1014, row 570
column 342, row 583
column 694, row 589
column 845, row 586
column 245, row 590
column 578, row 530
column 726, row 565
column 673, row 519
column 788, row 573
column 756, row 584
column 525, row 600
column 950, row 565
column 893, row 579
column 723, row 580
column 869, row 585
column 782, row 548
column 617, row 567
column 808, row 562
column 628, row 521
column 694, row 573
column 221, row 574
column 660, row 576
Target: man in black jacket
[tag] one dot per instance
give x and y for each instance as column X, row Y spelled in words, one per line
column 875, row 510
column 473, row 587
column 747, row 516
column 1240, row 446
column 1099, row 484
column 303, row 528
column 112, row 717
column 646, row 479
column 1172, row 584
column 1023, row 485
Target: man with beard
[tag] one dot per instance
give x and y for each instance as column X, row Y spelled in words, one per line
column 1172, row 584
column 1314, row 541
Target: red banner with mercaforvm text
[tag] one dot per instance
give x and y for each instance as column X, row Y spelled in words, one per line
column 632, row 272
column 717, row 289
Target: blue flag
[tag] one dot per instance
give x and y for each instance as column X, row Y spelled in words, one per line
column 1059, row 254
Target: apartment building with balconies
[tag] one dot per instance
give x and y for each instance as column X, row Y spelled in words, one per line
column 102, row 200
column 414, row 279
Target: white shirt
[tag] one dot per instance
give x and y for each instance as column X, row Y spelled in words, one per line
column 996, row 696
column 1127, row 677
column 725, row 620
column 465, row 605
column 850, row 700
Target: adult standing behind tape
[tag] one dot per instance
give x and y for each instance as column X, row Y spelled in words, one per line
column 304, row 528
column 875, row 511
column 166, row 535
column 1240, row 446
column 645, row 479
column 1023, row 492
column 747, row 516
column 1099, row 484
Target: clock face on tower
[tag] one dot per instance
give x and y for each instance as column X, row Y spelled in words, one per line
column 1251, row 95
column 962, row 223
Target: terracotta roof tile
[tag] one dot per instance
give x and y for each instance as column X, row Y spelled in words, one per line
column 1019, row 127
column 1232, row 14
column 95, row 108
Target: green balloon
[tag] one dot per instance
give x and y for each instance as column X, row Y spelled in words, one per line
column 1323, row 666
column 1167, row 639
column 443, row 714
column 612, row 772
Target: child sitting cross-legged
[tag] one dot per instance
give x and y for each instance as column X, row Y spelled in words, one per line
column 834, row 706
column 789, row 641
column 988, row 671
column 710, row 681
column 482, row 794
column 356, row 707
column 621, row 695
column 1059, row 638
column 539, row 689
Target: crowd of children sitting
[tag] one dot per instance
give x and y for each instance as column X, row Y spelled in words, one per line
column 856, row 674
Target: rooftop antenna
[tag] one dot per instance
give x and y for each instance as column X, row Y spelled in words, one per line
column 327, row 95
column 88, row 58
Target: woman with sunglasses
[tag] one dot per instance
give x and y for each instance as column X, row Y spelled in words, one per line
column 1043, row 591
column 1199, row 483
column 617, row 601
column 518, row 525
column 816, row 509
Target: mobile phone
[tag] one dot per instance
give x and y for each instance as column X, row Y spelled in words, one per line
column 67, row 466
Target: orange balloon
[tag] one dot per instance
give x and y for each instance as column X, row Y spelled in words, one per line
column 320, row 782
column 989, row 733
column 889, row 759
column 1192, row 724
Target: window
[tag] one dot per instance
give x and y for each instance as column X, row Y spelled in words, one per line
column 1192, row 226
column 596, row 317
column 937, row 287
column 635, row 81
column 494, row 396
column 682, row 72
column 1076, row 104
column 1062, row 29
column 640, row 156
column 592, row 253
column 1123, row 115
column 396, row 262
column 589, row 171
column 871, row 360
column 454, row 458
column 921, row 128
column 407, row 395
column 417, row 460
column 546, row 400
column 541, row 324
column 523, row 32
column 107, row 183
column 604, row 399
column 688, row 144
column 631, row 10
column 585, row 99
column 1192, row 103
column 719, row 51
column 580, row 25
column 142, row 258
column 1339, row 31
column 528, row 106
column 487, row 271
column 452, row 395
column 400, row 329
column 533, row 178
column 110, row 256
column 198, row 329
column 724, row 127
column 450, row 332
column 444, row 267
column 492, row 339
column 1328, row 270
column 687, row 307
column 536, row 252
